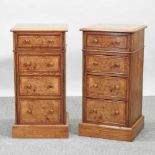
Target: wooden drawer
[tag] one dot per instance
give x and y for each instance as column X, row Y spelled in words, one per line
column 107, row 64
column 39, row 111
column 34, row 63
column 104, row 86
column 39, row 41
column 106, row 41
column 39, row 85
column 105, row 111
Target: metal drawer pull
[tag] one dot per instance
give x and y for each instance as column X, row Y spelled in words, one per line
column 26, row 41
column 95, row 85
column 50, row 41
column 50, row 86
column 29, row 86
column 50, row 64
column 95, row 63
column 51, row 111
column 116, row 112
column 27, row 64
column 95, row 41
column 115, row 66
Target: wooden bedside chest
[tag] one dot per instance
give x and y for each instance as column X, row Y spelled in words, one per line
column 112, row 81
column 39, row 71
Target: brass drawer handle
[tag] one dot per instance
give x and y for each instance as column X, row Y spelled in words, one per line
column 50, row 64
column 94, row 110
column 50, row 86
column 95, row 85
column 51, row 111
column 51, row 41
column 95, row 41
column 29, row 86
column 116, row 112
column 29, row 111
column 26, row 41
column 117, row 87
column 95, row 63
column 115, row 66
column 27, row 64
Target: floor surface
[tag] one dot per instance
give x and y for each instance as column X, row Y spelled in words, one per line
column 144, row 144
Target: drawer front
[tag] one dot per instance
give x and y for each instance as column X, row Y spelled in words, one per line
column 102, row 86
column 39, row 85
column 107, row 64
column 106, row 41
column 39, row 63
column 105, row 111
column 36, row 41
column 39, row 111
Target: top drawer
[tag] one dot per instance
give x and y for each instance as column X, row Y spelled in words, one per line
column 39, row 41
column 111, row 41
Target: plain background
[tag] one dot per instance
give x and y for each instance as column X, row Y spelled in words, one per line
column 77, row 14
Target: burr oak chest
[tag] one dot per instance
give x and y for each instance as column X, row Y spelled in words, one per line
column 39, row 75
column 112, row 81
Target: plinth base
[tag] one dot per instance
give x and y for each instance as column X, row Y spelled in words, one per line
column 41, row 131
column 112, row 132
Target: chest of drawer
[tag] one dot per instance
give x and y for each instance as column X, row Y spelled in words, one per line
column 39, row 111
column 104, row 86
column 36, row 63
column 39, row 41
column 107, row 64
column 111, row 41
column 105, row 111
column 39, row 85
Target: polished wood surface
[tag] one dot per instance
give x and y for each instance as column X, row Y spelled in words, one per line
column 112, row 132
column 40, row 27
column 39, row 70
column 41, row 131
column 114, row 28
column 112, row 79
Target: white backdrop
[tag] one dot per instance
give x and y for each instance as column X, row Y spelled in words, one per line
column 75, row 13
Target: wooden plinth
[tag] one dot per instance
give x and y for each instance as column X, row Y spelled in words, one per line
column 112, row 132
column 41, row 131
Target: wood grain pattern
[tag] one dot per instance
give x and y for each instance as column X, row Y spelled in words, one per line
column 113, row 71
column 105, row 41
column 107, row 64
column 100, row 86
column 33, row 41
column 36, row 63
column 39, row 71
column 105, row 111
column 41, row 131
column 39, row 111
column 39, row 85
column 112, row 132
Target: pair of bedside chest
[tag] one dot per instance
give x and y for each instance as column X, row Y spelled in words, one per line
column 112, row 81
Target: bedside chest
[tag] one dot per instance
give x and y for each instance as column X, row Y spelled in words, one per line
column 39, row 71
column 112, row 81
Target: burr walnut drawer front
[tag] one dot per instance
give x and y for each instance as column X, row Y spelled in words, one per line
column 39, row 111
column 35, row 63
column 39, row 85
column 105, row 111
column 107, row 64
column 106, row 86
column 106, row 41
column 39, row 41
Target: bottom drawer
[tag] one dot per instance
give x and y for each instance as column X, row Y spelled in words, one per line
column 105, row 111
column 32, row 111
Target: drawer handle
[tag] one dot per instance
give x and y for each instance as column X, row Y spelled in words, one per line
column 116, row 112
column 27, row 64
column 29, row 111
column 117, row 42
column 50, row 41
column 115, row 66
column 26, row 41
column 95, row 41
column 95, row 63
column 29, row 86
column 50, row 64
column 51, row 111
column 50, row 86
column 115, row 87
column 95, row 85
